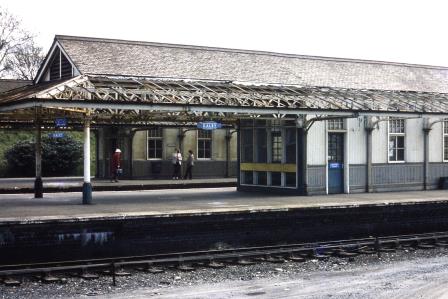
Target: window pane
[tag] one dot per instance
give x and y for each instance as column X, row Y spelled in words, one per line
column 290, row 143
column 276, row 178
column 262, row 147
column 336, row 124
column 445, row 147
column 154, row 148
column 392, row 144
column 204, row 148
column 246, row 145
column 262, row 178
column 277, row 147
column 396, row 125
column 400, row 141
column 290, row 179
column 400, row 154
column 247, row 177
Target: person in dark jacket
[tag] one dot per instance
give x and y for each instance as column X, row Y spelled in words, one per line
column 190, row 164
column 115, row 165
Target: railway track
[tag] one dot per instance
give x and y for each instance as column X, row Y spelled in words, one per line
column 218, row 258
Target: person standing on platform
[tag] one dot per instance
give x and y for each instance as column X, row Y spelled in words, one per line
column 177, row 161
column 190, row 164
column 115, row 165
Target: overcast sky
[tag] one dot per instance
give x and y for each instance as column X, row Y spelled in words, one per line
column 394, row 30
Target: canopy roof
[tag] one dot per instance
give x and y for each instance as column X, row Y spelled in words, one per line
column 118, row 99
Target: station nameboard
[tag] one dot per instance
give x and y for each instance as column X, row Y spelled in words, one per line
column 209, row 125
column 56, row 135
column 60, row 122
column 335, row 165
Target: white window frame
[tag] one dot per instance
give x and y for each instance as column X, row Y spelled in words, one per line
column 389, row 134
column 204, row 138
column 336, row 125
column 444, row 135
column 154, row 138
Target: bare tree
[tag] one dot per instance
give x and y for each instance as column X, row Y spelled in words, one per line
column 19, row 56
column 25, row 61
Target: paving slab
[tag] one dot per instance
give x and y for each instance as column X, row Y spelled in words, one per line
column 24, row 208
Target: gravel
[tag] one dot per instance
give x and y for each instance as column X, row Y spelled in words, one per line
column 232, row 277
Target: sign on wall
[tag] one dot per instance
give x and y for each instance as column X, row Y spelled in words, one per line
column 56, row 135
column 209, row 125
column 60, row 122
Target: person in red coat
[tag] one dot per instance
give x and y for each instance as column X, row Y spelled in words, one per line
column 115, row 165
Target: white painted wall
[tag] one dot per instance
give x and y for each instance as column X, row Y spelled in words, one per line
column 414, row 140
column 317, row 144
column 379, row 143
column 170, row 142
column 357, row 137
column 436, row 141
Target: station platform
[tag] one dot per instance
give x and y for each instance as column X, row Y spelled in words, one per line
column 67, row 206
column 130, row 223
column 74, row 184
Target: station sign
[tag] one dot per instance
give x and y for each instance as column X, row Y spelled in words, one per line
column 56, row 135
column 60, row 122
column 335, row 165
column 209, row 125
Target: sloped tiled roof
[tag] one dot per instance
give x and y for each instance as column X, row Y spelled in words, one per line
column 129, row 58
column 9, row 84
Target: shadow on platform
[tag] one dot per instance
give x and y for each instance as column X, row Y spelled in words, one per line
column 74, row 184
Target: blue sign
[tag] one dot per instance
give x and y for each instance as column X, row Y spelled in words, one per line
column 335, row 165
column 60, row 122
column 56, row 135
column 209, row 125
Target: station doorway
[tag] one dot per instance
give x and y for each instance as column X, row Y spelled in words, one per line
column 335, row 163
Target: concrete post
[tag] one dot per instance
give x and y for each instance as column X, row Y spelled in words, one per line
column 38, row 185
column 87, row 186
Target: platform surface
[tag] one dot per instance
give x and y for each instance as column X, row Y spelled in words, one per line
column 74, row 184
column 24, row 208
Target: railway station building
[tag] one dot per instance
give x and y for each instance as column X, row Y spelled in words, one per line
column 290, row 124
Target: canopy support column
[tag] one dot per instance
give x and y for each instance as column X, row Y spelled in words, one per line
column 87, row 186
column 369, row 127
column 426, row 130
column 228, row 137
column 38, row 185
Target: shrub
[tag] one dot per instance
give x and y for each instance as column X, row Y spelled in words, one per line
column 60, row 156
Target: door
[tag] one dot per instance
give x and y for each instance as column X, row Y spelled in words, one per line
column 335, row 163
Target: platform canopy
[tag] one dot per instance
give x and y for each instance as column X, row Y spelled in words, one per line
column 134, row 100
column 140, row 83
